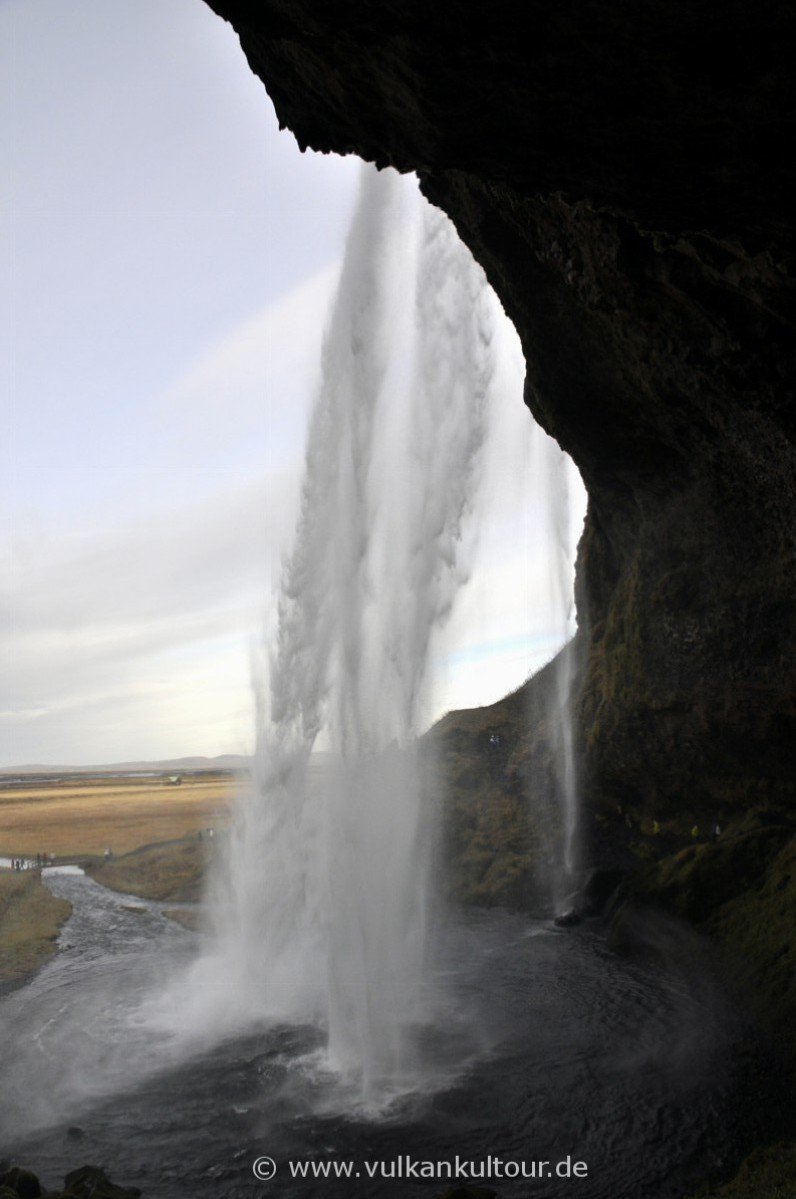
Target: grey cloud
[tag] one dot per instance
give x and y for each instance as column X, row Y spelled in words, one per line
column 195, row 558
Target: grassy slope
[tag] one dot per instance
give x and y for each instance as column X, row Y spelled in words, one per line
column 172, row 871
column 494, row 768
column 30, row 917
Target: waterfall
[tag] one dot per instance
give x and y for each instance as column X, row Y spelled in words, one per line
column 561, row 506
column 322, row 913
column 321, row 893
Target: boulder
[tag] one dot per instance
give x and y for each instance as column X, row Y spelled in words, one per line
column 90, row 1182
column 21, row 1182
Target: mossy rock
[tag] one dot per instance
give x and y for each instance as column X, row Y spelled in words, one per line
column 695, row 882
column 757, row 932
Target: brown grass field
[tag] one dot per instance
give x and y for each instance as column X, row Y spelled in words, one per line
column 75, row 816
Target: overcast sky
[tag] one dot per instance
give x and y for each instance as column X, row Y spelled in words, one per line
column 171, row 261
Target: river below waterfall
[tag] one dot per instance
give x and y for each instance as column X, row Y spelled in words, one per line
column 547, row 1046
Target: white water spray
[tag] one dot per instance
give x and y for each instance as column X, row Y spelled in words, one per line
column 323, row 913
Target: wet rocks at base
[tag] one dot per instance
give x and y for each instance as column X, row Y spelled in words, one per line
column 87, row 1182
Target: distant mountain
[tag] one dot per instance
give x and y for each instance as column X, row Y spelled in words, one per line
column 230, row 762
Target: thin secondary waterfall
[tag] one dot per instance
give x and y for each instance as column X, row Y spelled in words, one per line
column 325, row 913
column 566, row 775
column 560, row 516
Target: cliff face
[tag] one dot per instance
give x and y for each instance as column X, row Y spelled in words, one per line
column 621, row 171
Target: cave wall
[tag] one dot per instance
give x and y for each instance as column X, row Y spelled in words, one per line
column 623, row 174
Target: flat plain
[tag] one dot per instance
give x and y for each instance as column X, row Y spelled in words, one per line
column 72, row 815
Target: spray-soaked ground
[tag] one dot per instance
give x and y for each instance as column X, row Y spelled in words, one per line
column 560, row 1049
